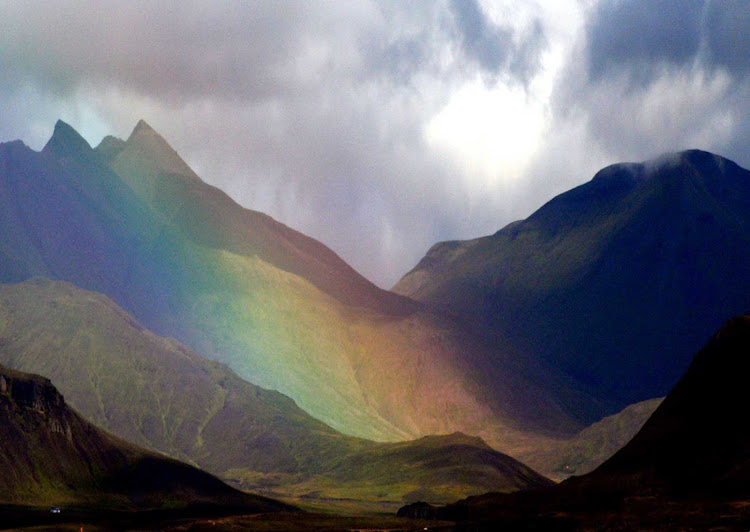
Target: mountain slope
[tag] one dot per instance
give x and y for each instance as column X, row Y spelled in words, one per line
column 240, row 288
column 50, row 455
column 688, row 466
column 695, row 442
column 156, row 392
column 588, row 449
column 210, row 217
column 615, row 282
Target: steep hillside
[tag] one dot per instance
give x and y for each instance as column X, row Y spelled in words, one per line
column 156, row 392
column 616, row 282
column 588, row 449
column 279, row 308
column 695, row 442
column 50, row 455
column 211, row 218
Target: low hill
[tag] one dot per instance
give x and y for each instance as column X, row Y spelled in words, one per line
column 588, row 449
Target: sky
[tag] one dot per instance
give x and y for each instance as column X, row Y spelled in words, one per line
column 380, row 128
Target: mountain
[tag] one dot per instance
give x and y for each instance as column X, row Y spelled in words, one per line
column 616, row 282
column 50, row 455
column 210, row 217
column 131, row 220
column 157, row 393
column 688, row 466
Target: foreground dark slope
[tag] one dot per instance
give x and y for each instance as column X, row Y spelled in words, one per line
column 50, row 455
column 156, row 392
column 236, row 287
column 689, row 466
column 617, row 281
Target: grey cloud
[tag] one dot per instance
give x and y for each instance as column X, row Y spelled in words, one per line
column 171, row 49
column 498, row 50
column 645, row 38
column 727, row 30
column 642, row 36
column 489, row 45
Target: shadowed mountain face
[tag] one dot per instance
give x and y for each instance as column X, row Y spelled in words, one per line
column 616, row 282
column 132, row 221
column 688, row 465
column 158, row 393
column 50, row 455
column 696, row 442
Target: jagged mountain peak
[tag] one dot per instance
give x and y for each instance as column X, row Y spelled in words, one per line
column 143, row 127
column 66, row 141
column 110, row 147
column 149, row 147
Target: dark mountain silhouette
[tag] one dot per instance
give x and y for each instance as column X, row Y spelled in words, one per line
column 616, row 282
column 696, row 442
column 132, row 221
column 50, row 455
column 158, row 393
column 688, row 466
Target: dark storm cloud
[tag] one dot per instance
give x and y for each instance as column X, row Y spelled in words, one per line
column 727, row 31
column 644, row 38
column 643, row 35
column 497, row 49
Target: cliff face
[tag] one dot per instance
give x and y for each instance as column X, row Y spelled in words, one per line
column 50, row 455
column 36, row 393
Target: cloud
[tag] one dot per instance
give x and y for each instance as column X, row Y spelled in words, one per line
column 382, row 127
column 642, row 37
column 645, row 37
column 498, row 49
column 727, row 28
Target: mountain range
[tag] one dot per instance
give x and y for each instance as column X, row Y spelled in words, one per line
column 180, row 321
column 132, row 221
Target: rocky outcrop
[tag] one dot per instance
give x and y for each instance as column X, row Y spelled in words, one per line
column 418, row 510
column 38, row 394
